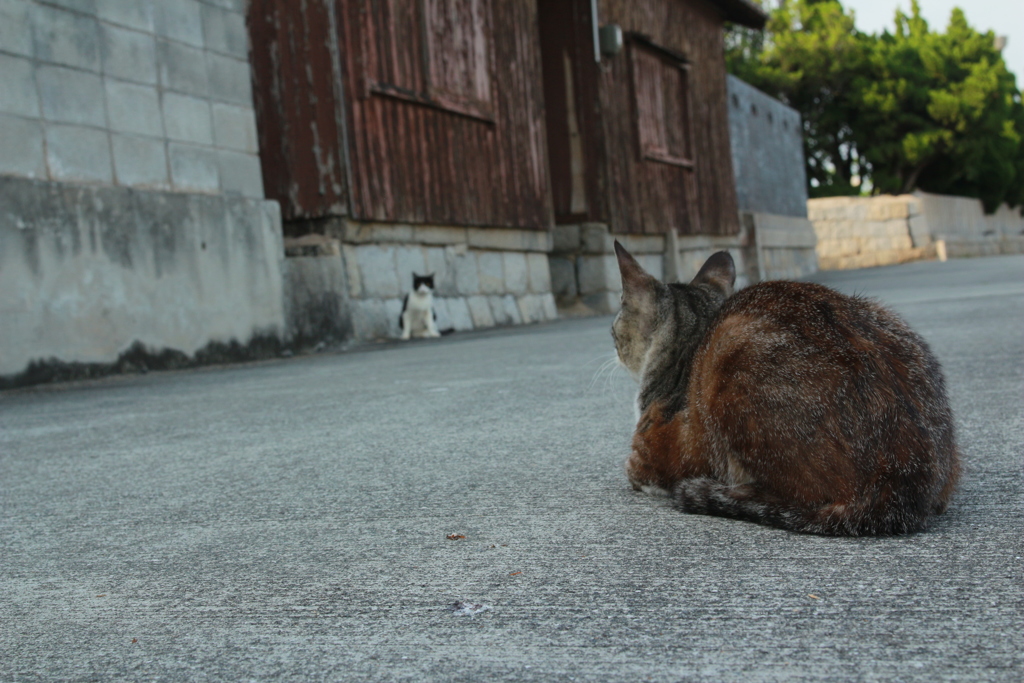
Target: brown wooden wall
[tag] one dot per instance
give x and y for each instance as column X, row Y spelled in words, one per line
column 643, row 195
column 430, row 145
column 443, row 102
column 298, row 114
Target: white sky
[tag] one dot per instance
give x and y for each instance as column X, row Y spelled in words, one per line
column 1003, row 17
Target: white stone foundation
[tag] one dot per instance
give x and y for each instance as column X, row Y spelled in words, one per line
column 482, row 277
column 585, row 273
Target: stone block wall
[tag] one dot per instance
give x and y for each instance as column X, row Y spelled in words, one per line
column 965, row 227
column 315, row 293
column 482, row 277
column 784, row 246
column 860, row 232
column 768, row 247
column 153, row 95
column 585, row 272
column 692, row 252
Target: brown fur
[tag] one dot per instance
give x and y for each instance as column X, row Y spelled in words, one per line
column 787, row 403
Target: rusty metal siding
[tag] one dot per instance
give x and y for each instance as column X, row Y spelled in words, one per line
column 299, row 116
column 647, row 196
column 444, row 136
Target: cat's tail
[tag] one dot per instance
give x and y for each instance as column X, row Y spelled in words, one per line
column 704, row 496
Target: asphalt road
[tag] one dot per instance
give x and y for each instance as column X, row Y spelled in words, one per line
column 288, row 520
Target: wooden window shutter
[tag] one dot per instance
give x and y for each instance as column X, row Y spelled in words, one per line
column 661, row 92
column 458, row 47
column 393, row 48
column 435, row 53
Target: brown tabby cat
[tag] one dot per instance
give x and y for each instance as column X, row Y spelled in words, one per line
column 787, row 404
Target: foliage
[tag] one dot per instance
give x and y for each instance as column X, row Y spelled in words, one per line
column 796, row 62
column 912, row 109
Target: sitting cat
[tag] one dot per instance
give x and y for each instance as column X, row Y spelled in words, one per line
column 418, row 318
column 787, row 404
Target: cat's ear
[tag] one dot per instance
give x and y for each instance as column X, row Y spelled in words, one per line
column 635, row 280
column 719, row 271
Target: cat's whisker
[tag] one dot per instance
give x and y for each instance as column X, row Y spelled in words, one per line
column 616, row 368
column 606, row 368
column 608, row 372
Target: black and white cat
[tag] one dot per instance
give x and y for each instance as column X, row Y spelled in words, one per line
column 418, row 318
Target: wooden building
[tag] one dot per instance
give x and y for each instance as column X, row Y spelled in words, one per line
column 415, row 111
column 496, row 121
column 651, row 120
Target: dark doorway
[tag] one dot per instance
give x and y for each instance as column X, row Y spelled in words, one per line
column 570, row 70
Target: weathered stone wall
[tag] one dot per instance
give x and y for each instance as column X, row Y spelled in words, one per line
column 860, row 232
column 315, row 293
column 768, row 247
column 584, row 269
column 88, row 272
column 785, row 246
column 482, row 277
column 767, row 152
column 152, row 95
column 962, row 223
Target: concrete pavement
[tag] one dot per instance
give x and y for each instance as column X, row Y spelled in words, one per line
column 288, row 520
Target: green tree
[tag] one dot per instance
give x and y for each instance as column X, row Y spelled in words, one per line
column 904, row 110
column 942, row 113
column 813, row 59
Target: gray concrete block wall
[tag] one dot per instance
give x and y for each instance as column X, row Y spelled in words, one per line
column 963, row 219
column 778, row 247
column 131, row 196
column 21, row 147
column 767, row 152
column 584, row 271
column 150, row 95
column 482, row 277
column 78, row 154
column 316, row 309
